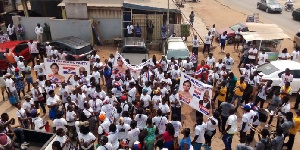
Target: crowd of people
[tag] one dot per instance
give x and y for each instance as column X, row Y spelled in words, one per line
column 145, row 112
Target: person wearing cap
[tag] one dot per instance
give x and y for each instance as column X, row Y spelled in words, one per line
column 122, row 129
column 146, row 98
column 38, row 122
column 148, row 87
column 246, row 121
column 103, row 124
column 10, row 86
column 293, row 131
column 19, row 82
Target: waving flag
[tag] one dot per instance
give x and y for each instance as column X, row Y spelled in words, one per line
column 193, row 57
column 200, row 71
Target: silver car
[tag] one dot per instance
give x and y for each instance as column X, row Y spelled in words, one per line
column 269, row 6
column 134, row 50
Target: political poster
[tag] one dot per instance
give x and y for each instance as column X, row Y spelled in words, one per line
column 59, row 70
column 121, row 65
column 195, row 93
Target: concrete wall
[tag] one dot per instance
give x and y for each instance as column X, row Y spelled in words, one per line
column 76, row 10
column 62, row 28
column 29, row 24
column 109, row 28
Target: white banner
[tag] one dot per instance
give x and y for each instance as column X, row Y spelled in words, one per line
column 195, row 93
column 59, row 70
column 121, row 64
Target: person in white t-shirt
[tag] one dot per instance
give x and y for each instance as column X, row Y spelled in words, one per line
column 188, row 66
column 228, row 61
column 210, row 60
column 262, row 58
column 177, row 125
column 39, row 33
column 86, row 138
column 211, row 125
column 213, row 33
column 130, row 30
column 230, row 130
column 284, row 55
column 286, row 77
column 39, row 68
column 59, row 123
column 33, row 50
column 245, row 125
column 141, row 119
column 10, row 86
column 104, row 144
column 113, row 136
column 160, row 122
column 207, row 42
column 63, row 139
column 252, row 54
column 199, row 134
column 175, row 104
column 295, row 55
column 237, row 38
column 122, row 129
column 195, row 43
column 133, row 134
column 146, row 98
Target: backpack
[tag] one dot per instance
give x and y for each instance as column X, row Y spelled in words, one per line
column 268, row 144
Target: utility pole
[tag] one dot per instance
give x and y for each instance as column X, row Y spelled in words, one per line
column 25, row 8
column 168, row 14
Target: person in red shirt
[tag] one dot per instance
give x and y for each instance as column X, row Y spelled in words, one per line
column 201, row 70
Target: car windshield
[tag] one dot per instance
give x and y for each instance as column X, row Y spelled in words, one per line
column 134, row 49
column 267, row 69
column 236, row 27
column 83, row 50
column 2, row 56
column 183, row 54
column 271, row 2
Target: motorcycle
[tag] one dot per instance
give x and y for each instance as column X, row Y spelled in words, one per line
column 289, row 6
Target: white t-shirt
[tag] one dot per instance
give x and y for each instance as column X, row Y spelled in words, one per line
column 200, row 130
column 104, row 127
column 172, row 99
column 177, row 126
column 156, row 101
column 123, row 131
column 210, row 61
column 10, row 30
column 21, row 113
column 34, row 93
column 133, row 135
column 131, row 94
column 246, row 118
column 262, row 58
column 96, row 75
column 232, row 120
column 86, row 138
column 51, row 101
column 208, row 39
column 113, row 139
column 10, row 84
column 60, row 123
column 286, row 78
column 213, row 31
column 21, row 65
column 284, row 55
column 64, row 93
column 210, row 126
column 188, row 68
column 228, row 62
column 223, row 37
column 27, row 105
column 141, row 121
column 146, row 99
column 129, row 29
column 38, row 122
column 164, row 108
column 39, row 30
column 70, row 118
column 254, row 51
column 195, row 43
column 160, row 123
column 295, row 55
column 96, row 105
column 175, row 73
column 40, row 69
column 62, row 140
column 33, row 47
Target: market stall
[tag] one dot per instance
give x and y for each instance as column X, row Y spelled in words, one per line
column 266, row 37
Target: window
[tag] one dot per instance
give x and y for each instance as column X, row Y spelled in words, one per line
column 295, row 73
column 263, row 1
column 19, row 48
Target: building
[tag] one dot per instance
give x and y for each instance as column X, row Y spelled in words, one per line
column 114, row 15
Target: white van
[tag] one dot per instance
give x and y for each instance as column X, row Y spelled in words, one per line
column 176, row 48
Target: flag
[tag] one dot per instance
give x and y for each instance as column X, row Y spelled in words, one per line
column 69, row 70
column 193, row 57
column 200, row 71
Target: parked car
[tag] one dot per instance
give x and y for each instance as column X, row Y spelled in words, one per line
column 15, row 47
column 231, row 32
column 176, row 48
column 134, row 49
column 269, row 6
column 296, row 14
column 274, row 70
column 75, row 48
column 297, row 39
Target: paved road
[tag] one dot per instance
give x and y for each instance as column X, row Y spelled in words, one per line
column 283, row 20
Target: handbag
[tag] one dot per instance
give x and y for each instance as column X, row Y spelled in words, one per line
column 40, row 98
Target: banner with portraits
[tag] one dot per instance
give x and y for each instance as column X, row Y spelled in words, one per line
column 121, row 65
column 195, row 93
column 59, row 70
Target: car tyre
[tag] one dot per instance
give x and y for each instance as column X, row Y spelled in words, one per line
column 230, row 40
column 267, row 10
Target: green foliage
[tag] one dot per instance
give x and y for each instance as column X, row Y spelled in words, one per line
column 185, row 30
